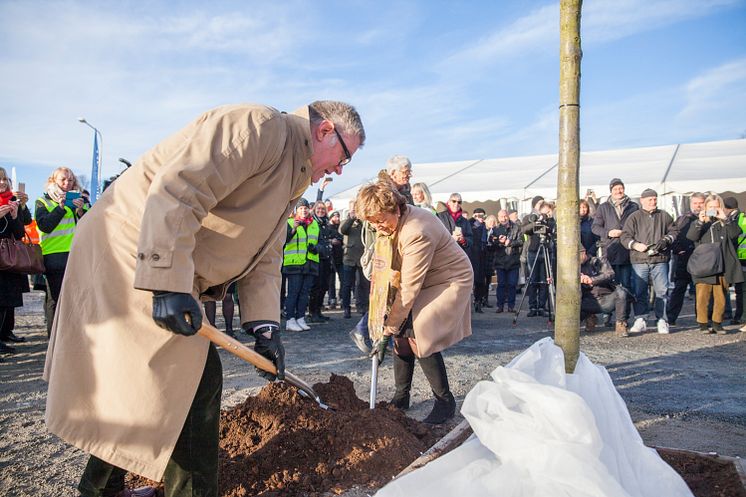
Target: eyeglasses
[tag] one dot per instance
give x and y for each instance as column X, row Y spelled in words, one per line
column 348, row 157
column 456, row 201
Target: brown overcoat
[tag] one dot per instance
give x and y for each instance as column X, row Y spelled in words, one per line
column 436, row 282
column 205, row 207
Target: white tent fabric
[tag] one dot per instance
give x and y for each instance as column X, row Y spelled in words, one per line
column 540, row 432
column 669, row 169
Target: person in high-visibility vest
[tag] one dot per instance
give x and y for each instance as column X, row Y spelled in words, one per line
column 736, row 216
column 300, row 264
column 56, row 220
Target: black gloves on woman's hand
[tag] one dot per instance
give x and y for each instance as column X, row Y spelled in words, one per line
column 177, row 312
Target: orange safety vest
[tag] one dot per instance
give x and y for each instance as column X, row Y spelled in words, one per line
column 32, row 233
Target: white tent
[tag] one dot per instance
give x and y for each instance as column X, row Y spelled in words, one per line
column 672, row 170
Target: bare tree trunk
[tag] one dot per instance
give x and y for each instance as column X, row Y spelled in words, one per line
column 567, row 325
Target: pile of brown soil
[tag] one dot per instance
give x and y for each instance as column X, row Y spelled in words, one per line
column 280, row 443
column 705, row 476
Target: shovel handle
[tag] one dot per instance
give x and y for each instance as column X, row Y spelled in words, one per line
column 237, row 348
column 243, row 352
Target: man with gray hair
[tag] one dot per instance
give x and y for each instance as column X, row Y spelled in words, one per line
column 681, row 250
column 208, row 206
column 399, row 168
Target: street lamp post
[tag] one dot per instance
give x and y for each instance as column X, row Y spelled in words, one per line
column 96, row 166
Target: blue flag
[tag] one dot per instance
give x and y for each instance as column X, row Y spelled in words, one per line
column 95, row 172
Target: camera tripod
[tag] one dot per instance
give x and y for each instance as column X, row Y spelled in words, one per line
column 542, row 253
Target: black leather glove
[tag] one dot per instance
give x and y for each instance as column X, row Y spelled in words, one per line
column 268, row 344
column 662, row 244
column 312, row 249
column 379, row 349
column 177, row 312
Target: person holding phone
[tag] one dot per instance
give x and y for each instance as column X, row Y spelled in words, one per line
column 713, row 225
column 57, row 214
column 13, row 216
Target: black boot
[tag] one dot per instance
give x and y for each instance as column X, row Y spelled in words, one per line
column 478, row 306
column 445, row 405
column 403, row 371
column 347, row 313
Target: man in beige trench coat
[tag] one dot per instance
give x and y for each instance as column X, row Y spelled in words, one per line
column 128, row 382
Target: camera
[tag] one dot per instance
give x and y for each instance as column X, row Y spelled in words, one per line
column 711, row 213
column 541, row 225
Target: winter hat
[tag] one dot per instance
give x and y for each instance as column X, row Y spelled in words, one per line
column 536, row 199
column 648, row 192
column 730, row 202
column 302, row 203
column 614, row 182
column 479, row 210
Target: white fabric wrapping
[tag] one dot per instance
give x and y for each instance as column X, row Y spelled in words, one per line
column 541, row 432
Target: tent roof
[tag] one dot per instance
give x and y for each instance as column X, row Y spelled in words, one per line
column 678, row 169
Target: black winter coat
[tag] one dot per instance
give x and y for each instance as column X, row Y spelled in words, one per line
column 352, row 229
column 723, row 233
column 506, row 257
column 12, row 285
column 683, row 247
column 606, row 219
column 462, row 223
column 602, row 276
column 648, row 228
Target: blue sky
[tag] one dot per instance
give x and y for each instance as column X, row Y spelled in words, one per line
column 434, row 80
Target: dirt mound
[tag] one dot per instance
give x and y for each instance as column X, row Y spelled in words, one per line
column 280, row 443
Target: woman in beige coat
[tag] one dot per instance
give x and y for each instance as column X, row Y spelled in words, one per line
column 129, row 382
column 430, row 310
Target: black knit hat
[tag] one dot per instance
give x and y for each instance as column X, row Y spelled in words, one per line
column 302, row 203
column 730, row 202
column 614, row 182
column 536, row 199
column 479, row 210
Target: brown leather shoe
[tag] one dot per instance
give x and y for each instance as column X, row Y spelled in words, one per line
column 590, row 323
column 621, row 329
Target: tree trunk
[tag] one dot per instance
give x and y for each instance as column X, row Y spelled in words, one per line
column 567, row 325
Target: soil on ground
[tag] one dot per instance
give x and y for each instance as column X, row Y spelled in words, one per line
column 705, row 476
column 280, row 443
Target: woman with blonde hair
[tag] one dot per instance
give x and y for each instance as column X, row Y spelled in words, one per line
column 56, row 219
column 714, row 226
column 431, row 306
column 422, row 197
column 13, row 216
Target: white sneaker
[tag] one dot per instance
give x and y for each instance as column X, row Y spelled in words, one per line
column 639, row 326
column 662, row 327
column 292, row 325
column 742, row 328
column 302, row 324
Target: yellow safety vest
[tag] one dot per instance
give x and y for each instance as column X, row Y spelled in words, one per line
column 60, row 239
column 296, row 252
column 742, row 236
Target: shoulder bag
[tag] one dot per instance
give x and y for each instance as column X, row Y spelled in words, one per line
column 707, row 259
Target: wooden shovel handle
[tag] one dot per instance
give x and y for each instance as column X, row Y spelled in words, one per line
column 237, row 348
column 242, row 351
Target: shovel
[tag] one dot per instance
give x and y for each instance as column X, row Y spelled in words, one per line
column 242, row 351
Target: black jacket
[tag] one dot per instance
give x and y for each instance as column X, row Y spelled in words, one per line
column 682, row 246
column 602, row 276
column 338, row 247
column 724, row 234
column 462, row 223
column 352, row 229
column 648, row 228
column 606, row 219
column 529, row 226
column 506, row 257
column 12, row 285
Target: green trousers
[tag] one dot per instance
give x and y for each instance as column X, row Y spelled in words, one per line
column 192, row 470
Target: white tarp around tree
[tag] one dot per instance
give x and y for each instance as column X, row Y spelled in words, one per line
column 540, row 432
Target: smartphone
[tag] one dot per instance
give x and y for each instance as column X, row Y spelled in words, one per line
column 589, row 193
column 711, row 213
column 329, row 179
column 22, row 187
column 457, row 230
column 69, row 197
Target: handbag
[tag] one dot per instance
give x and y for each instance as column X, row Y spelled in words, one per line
column 19, row 257
column 706, row 260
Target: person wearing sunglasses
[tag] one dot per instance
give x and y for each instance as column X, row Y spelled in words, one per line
column 129, row 382
column 456, row 223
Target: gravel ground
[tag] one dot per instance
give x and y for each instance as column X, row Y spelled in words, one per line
column 683, row 390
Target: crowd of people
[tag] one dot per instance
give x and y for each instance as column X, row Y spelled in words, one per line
column 313, row 259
